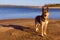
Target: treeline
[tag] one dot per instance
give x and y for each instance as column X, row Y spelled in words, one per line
column 53, row 5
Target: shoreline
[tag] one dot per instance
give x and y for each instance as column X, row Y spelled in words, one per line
column 27, row 18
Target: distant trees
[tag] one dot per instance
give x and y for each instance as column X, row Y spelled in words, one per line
column 53, row 5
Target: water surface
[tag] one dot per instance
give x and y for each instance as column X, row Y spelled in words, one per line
column 12, row 13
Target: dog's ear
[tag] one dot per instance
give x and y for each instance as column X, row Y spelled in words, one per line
column 47, row 9
column 42, row 8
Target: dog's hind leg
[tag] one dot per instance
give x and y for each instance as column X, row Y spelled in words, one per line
column 37, row 27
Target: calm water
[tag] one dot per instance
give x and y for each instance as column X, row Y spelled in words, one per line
column 12, row 13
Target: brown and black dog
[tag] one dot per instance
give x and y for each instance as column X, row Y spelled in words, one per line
column 41, row 22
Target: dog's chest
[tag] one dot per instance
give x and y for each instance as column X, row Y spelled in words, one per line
column 44, row 22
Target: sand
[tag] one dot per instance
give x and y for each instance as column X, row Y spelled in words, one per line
column 24, row 29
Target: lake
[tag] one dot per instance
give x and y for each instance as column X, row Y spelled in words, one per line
column 13, row 13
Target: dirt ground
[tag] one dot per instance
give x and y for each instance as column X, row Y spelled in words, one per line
column 24, row 29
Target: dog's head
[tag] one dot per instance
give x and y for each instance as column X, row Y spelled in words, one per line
column 45, row 12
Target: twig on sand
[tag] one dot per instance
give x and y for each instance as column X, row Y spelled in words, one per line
column 48, row 37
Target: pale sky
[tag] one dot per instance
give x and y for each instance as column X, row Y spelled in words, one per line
column 29, row 2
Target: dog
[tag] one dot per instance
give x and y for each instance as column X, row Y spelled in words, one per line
column 42, row 21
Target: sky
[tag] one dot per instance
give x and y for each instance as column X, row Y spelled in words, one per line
column 29, row 2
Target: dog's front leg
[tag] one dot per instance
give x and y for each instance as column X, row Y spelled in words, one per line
column 42, row 30
column 45, row 28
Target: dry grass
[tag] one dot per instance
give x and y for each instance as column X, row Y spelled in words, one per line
column 23, row 29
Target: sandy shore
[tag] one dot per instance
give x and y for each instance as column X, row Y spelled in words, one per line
column 23, row 29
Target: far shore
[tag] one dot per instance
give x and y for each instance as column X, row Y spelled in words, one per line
column 17, row 6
